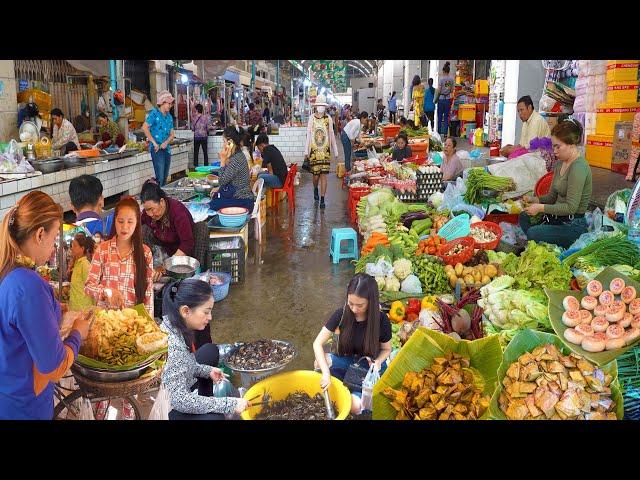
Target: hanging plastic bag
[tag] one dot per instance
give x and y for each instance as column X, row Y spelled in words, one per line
column 162, row 405
column 367, row 387
column 86, row 410
column 453, row 194
column 436, row 137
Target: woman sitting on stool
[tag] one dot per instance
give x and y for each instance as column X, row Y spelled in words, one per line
column 234, row 181
column 364, row 331
column 189, row 374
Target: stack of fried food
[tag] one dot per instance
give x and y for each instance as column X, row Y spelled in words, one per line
column 443, row 391
column 546, row 385
column 122, row 337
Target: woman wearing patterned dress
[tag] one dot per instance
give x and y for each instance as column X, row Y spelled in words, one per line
column 320, row 147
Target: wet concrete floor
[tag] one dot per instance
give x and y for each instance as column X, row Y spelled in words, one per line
column 291, row 286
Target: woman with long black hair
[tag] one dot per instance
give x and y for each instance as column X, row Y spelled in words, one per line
column 189, row 374
column 364, row 335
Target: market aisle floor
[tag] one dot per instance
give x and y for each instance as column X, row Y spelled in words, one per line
column 291, row 286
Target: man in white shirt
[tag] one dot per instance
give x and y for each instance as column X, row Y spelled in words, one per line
column 65, row 137
column 533, row 126
column 350, row 134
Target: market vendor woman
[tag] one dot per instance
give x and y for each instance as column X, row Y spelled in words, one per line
column 364, row 331
column 561, row 211
column 166, row 221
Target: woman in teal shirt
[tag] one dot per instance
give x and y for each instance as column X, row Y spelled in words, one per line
column 158, row 127
column 562, row 210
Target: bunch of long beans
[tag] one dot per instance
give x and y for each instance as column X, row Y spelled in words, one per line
column 478, row 180
column 613, row 250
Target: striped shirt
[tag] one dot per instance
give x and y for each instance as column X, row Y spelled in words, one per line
column 109, row 270
column 236, row 173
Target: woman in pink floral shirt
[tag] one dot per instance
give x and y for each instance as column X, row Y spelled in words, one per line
column 122, row 267
column 200, row 127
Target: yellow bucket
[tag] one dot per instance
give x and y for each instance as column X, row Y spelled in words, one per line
column 282, row 384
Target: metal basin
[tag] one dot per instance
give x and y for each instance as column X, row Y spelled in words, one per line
column 249, row 377
column 72, row 162
column 112, row 375
column 48, row 166
column 180, row 267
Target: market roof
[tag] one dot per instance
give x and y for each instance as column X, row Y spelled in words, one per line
column 364, row 68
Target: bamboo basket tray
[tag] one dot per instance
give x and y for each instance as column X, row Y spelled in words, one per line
column 119, row 389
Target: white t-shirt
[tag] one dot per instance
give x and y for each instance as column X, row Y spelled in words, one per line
column 352, row 129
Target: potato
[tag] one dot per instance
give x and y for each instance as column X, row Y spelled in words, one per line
column 459, row 268
column 491, row 271
column 453, row 280
column 449, row 269
column 467, row 271
column 469, row 280
column 485, row 279
column 477, row 276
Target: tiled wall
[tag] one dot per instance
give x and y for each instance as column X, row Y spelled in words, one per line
column 290, row 142
column 117, row 176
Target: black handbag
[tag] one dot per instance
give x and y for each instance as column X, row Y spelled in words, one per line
column 306, row 165
column 355, row 375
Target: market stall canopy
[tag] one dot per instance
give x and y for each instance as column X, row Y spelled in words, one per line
column 211, row 69
column 99, row 68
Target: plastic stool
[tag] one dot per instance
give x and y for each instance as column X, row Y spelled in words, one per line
column 339, row 235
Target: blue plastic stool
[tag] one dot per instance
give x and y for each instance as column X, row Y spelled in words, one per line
column 339, row 235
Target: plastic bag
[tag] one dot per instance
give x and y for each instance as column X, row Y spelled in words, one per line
column 223, row 389
column 86, row 410
column 162, row 405
column 436, row 136
column 463, row 155
column 382, row 268
column 367, row 387
column 453, row 194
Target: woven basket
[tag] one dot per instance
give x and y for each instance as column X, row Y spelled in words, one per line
column 121, row 389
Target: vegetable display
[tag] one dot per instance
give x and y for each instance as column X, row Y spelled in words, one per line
column 446, row 390
column 431, row 273
column 608, row 251
column 456, row 319
column 537, row 268
column 545, row 384
column 478, row 180
column 470, row 277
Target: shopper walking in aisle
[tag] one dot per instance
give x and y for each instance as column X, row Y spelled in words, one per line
column 364, row 336
column 32, row 355
column 351, row 134
column 320, row 147
column 190, row 372
column 443, row 98
column 200, row 127
column 158, row 127
column 429, row 104
column 380, row 110
column 564, row 206
column 533, row 126
column 451, row 164
column 121, row 273
column 393, row 107
column 417, row 96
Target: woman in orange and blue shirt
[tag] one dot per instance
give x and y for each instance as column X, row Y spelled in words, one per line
column 32, row 355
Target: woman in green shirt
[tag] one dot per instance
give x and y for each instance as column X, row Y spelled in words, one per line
column 561, row 211
column 82, row 251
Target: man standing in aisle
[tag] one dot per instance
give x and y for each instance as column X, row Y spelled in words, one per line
column 533, row 126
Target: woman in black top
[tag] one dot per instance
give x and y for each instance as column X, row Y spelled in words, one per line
column 364, row 331
column 402, row 149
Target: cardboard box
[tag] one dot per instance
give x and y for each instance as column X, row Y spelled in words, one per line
column 607, row 114
column 599, row 150
column 621, row 147
column 623, row 92
column 622, row 70
column 467, row 112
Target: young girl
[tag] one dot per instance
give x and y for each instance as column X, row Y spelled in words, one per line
column 364, row 331
column 187, row 306
column 122, row 267
column 82, row 251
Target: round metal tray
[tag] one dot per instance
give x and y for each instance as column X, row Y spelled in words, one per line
column 262, row 370
column 102, row 375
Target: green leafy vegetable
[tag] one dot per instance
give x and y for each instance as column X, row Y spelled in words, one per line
column 616, row 249
column 478, row 180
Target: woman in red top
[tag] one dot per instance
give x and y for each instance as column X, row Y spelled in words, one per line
column 122, row 267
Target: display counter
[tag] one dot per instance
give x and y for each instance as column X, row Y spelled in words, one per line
column 120, row 176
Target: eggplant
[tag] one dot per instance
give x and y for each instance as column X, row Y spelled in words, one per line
column 408, row 218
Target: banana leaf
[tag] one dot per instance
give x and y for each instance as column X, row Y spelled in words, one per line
column 556, row 310
column 526, row 341
column 418, row 353
column 150, row 358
